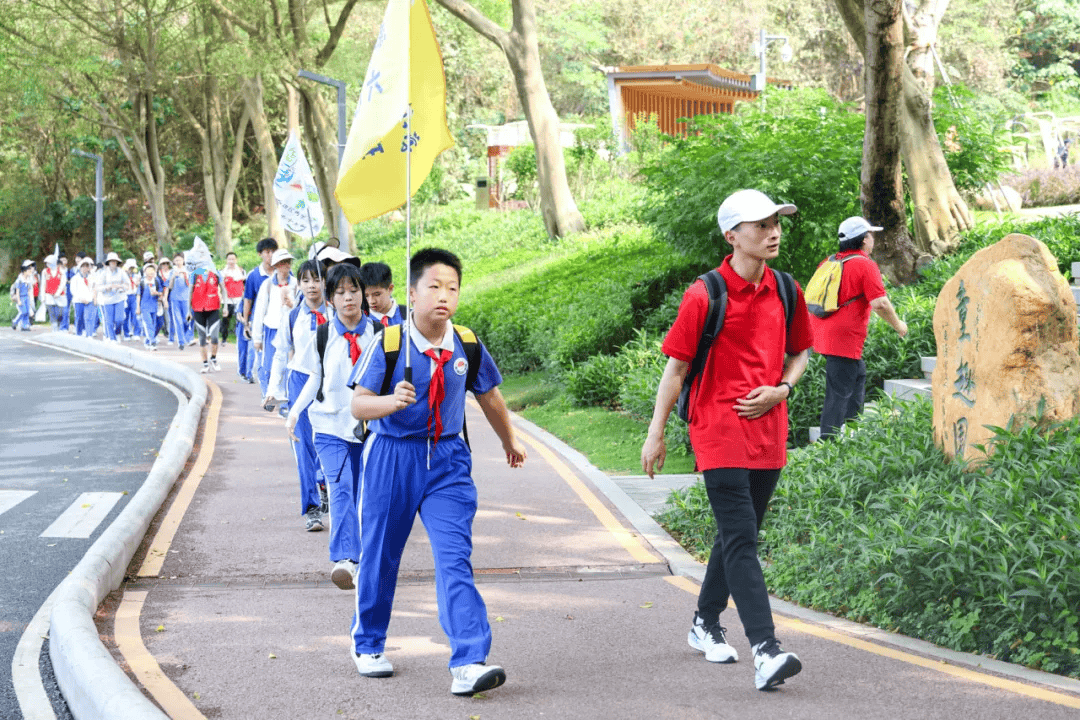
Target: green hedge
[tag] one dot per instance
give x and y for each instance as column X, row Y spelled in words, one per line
column 878, row 527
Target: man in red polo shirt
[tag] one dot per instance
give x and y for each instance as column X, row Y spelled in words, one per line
column 739, row 424
column 840, row 337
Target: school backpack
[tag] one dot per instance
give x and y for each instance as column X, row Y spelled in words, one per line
column 391, row 340
column 714, row 323
column 206, row 291
column 823, row 291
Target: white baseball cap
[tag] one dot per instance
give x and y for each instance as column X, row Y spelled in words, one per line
column 749, row 206
column 280, row 256
column 855, row 227
column 111, row 257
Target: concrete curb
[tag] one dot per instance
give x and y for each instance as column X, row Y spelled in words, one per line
column 90, row 680
column 683, row 563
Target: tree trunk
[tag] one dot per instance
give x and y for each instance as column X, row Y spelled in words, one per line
column 521, row 47
column 940, row 212
column 882, row 192
column 253, row 96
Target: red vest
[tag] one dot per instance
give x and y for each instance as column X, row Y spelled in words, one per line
column 206, row 292
column 52, row 281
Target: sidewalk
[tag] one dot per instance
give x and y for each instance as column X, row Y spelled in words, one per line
column 587, row 619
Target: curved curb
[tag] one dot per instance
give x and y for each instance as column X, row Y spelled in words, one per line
column 683, row 563
column 90, row 680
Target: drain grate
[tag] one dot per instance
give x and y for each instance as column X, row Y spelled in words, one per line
column 568, row 573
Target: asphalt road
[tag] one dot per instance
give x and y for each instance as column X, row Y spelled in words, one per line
column 70, row 426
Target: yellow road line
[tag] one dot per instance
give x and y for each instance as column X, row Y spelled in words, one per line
column 941, row 666
column 630, row 541
column 129, row 641
column 159, row 546
column 128, row 637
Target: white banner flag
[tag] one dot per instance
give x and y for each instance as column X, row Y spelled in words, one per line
column 297, row 196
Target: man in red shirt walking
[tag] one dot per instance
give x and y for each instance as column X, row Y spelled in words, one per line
column 739, row 423
column 840, row 336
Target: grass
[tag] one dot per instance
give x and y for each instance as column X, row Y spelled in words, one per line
column 611, row 440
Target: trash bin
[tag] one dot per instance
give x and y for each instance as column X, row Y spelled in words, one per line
column 483, row 194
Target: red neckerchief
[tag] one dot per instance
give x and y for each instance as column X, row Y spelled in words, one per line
column 437, row 390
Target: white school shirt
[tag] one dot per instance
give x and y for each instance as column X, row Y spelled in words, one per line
column 82, row 288
column 294, row 349
column 133, row 283
column 111, row 286
column 333, row 416
column 270, row 310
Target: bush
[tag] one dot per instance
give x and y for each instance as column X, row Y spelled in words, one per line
column 806, row 149
column 877, row 526
column 970, row 136
column 595, row 381
column 1047, row 187
column 580, row 305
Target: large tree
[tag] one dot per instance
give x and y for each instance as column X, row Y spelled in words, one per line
column 940, row 213
column 280, row 44
column 882, row 192
column 206, row 98
column 522, row 49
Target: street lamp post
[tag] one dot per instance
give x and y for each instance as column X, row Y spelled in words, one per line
column 759, row 48
column 342, row 223
column 99, row 193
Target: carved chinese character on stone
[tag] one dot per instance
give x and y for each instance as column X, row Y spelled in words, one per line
column 1006, row 333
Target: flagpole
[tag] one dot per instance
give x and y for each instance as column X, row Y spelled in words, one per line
column 407, row 341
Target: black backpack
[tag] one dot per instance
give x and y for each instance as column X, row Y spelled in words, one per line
column 714, row 323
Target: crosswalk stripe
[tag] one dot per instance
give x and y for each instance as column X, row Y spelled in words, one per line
column 83, row 516
column 11, row 498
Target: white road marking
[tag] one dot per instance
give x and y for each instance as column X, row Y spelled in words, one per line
column 83, row 516
column 11, row 498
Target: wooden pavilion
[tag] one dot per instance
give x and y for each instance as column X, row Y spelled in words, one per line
column 672, row 92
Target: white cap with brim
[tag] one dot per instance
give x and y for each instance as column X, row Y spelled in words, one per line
column 130, row 263
column 855, row 227
column 280, row 256
column 50, row 259
column 86, row 261
column 112, row 257
column 27, row 264
column 749, row 206
column 148, row 256
column 332, row 254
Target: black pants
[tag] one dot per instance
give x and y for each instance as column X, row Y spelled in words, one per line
column 227, row 320
column 845, row 390
column 739, row 498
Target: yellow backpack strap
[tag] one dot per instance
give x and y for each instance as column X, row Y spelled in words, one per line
column 467, row 336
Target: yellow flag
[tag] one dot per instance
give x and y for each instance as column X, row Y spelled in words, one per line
column 371, row 179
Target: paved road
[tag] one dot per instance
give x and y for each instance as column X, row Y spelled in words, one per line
column 70, row 426
column 587, row 618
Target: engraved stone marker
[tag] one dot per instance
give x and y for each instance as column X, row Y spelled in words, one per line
column 1006, row 331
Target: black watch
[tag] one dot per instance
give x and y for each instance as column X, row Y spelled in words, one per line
column 790, row 387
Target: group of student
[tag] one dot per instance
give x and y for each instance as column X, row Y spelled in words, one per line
column 119, row 301
column 375, row 407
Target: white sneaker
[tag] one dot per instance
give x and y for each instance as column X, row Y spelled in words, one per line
column 205, row 368
column 343, row 573
column 214, row 365
column 711, row 641
column 373, row 666
column 772, row 665
column 477, row 677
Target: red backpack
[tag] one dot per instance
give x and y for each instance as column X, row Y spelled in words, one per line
column 206, row 291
